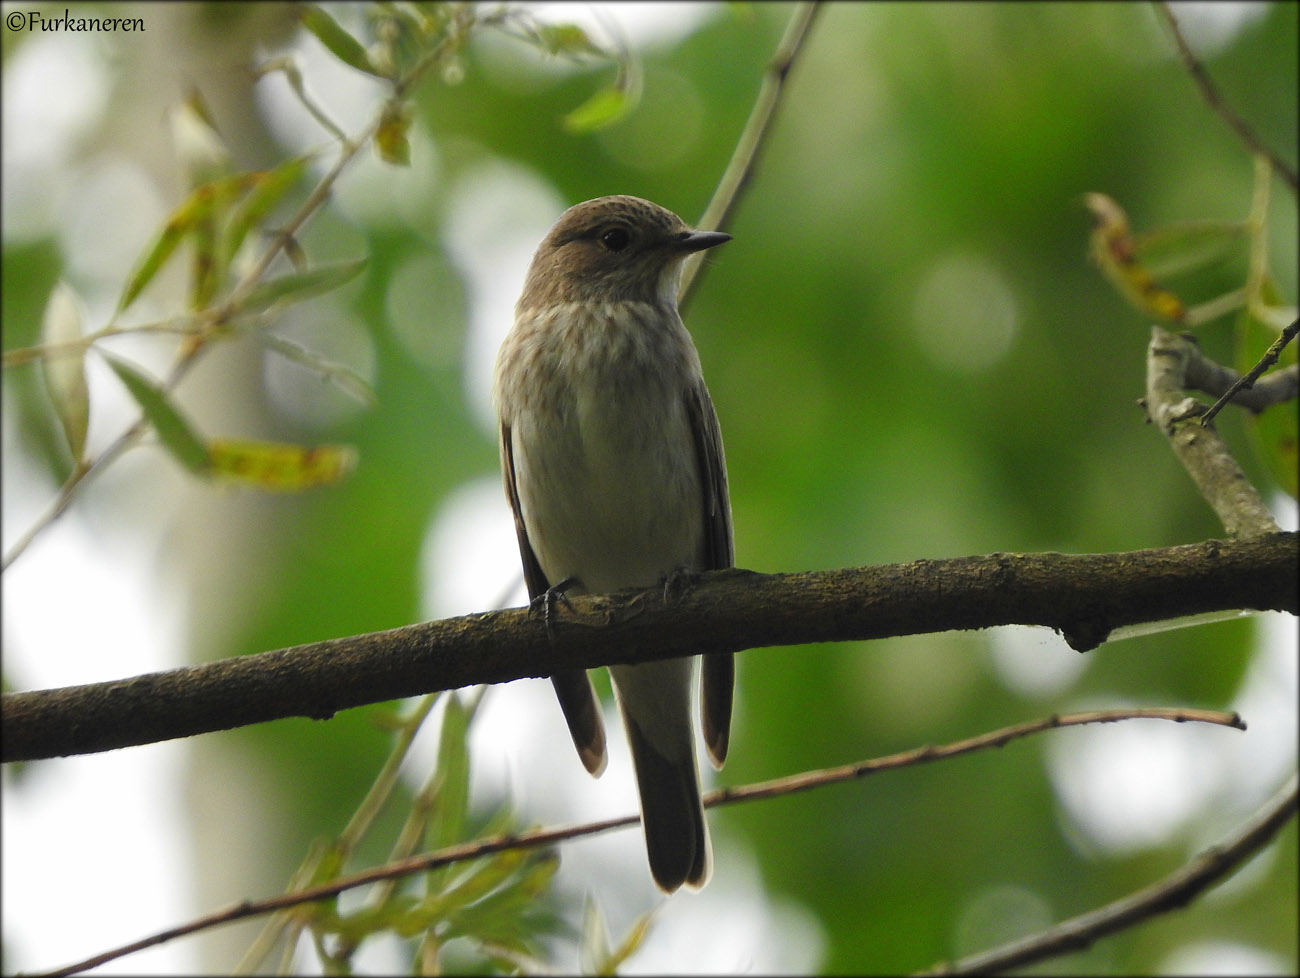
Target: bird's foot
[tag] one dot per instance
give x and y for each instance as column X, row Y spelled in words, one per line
column 544, row 604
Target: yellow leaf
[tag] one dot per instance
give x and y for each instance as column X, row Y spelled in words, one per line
column 391, row 139
column 1112, row 248
column 279, row 467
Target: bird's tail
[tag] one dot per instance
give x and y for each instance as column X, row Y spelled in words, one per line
column 654, row 699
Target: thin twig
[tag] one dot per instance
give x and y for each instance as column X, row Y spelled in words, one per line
column 1174, row 891
column 545, row 837
column 1211, row 95
column 1247, row 381
column 381, row 789
column 744, row 158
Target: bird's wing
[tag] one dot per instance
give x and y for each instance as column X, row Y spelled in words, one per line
column 573, row 688
column 718, row 669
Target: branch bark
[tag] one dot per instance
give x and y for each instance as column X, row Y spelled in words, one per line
column 1084, row 596
column 1210, row 463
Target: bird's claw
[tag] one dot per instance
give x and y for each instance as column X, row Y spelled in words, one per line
column 544, row 603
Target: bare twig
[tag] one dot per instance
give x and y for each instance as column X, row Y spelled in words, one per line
column 1084, row 596
column 744, row 158
column 545, row 837
column 1174, row 891
column 1203, row 453
column 1283, row 387
column 1211, row 95
column 921, row 755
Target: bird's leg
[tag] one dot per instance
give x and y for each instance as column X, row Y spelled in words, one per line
column 544, row 603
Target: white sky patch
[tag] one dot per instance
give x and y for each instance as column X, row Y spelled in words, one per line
column 55, row 88
column 1211, row 27
column 1221, row 958
column 470, row 560
column 497, row 215
column 1133, row 785
column 80, row 608
column 112, row 816
column 110, row 214
column 638, row 25
column 1035, row 662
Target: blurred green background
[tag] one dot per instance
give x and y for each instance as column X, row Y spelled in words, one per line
column 910, row 356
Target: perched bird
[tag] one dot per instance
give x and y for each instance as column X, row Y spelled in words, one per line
column 613, row 466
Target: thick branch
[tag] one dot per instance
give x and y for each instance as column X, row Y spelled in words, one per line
column 1084, row 596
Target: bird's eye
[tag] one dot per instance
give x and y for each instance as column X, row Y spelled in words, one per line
column 615, row 239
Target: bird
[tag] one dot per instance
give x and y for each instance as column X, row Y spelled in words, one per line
column 614, row 469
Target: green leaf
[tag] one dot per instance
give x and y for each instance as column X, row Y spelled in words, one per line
column 1178, row 248
column 566, row 39
column 65, row 368
column 198, row 210
column 302, row 285
column 206, row 270
column 268, row 189
column 636, row 935
column 488, row 900
column 199, row 146
column 448, row 823
column 172, row 233
column 604, row 108
column 173, row 430
column 339, row 42
column 593, row 941
column 347, row 379
column 1111, row 246
column 399, row 913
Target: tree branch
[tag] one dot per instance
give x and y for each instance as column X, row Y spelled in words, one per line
column 1174, row 891
column 744, row 158
column 536, row 838
column 1084, row 596
column 1247, row 390
column 1203, row 453
column 1211, row 95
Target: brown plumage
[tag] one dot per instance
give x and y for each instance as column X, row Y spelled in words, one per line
column 615, row 473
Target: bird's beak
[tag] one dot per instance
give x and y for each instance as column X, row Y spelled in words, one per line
column 699, row 240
